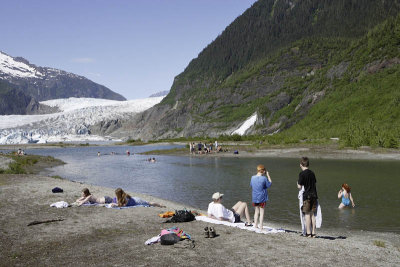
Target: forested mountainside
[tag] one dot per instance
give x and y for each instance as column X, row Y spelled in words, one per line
column 23, row 82
column 288, row 61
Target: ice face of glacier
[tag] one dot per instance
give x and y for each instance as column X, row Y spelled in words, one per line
column 72, row 123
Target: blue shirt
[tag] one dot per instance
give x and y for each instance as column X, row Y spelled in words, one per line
column 259, row 184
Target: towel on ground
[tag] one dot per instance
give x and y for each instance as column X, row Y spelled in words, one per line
column 266, row 229
column 91, row 204
column 116, row 207
column 167, row 214
column 153, row 240
column 59, row 204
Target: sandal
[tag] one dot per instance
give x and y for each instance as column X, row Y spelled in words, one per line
column 212, row 232
column 248, row 224
column 206, row 232
column 313, row 236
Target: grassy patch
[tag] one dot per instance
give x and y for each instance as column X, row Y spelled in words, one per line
column 29, row 163
column 166, row 151
column 379, row 243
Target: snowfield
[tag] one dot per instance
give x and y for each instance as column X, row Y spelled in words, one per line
column 72, row 123
column 18, row 69
column 246, row 125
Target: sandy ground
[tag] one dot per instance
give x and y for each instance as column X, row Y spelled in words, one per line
column 112, row 237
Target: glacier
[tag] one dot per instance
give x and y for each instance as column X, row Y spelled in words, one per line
column 73, row 121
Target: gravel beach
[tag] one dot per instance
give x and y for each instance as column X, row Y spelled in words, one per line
column 115, row 237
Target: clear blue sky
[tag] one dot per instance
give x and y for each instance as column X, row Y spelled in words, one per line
column 134, row 47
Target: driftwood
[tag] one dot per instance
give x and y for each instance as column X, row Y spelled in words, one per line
column 46, row 221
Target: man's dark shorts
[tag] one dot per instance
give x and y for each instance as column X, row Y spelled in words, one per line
column 237, row 217
column 309, row 205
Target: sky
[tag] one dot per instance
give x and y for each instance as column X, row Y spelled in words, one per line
column 134, row 47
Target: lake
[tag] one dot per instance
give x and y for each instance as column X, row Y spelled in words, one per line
column 192, row 181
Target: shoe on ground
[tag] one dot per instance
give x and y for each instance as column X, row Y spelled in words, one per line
column 212, row 232
column 206, row 232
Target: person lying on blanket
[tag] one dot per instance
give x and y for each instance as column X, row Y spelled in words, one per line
column 88, row 198
column 122, row 199
column 217, row 211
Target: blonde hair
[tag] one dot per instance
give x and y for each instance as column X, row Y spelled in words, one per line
column 121, row 197
column 260, row 168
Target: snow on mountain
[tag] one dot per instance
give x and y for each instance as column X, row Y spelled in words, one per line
column 44, row 83
column 72, row 123
column 10, row 66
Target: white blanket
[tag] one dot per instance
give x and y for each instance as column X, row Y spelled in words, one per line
column 266, row 229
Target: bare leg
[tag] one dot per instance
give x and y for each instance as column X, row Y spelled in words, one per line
column 261, row 218
column 313, row 220
column 307, row 216
column 101, row 200
column 242, row 209
column 341, row 206
column 257, row 211
column 236, row 206
column 154, row 204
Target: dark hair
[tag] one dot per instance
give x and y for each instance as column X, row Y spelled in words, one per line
column 304, row 162
column 86, row 192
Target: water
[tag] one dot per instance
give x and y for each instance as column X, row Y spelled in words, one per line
column 192, row 180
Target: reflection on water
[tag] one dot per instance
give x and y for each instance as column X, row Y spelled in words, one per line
column 192, row 180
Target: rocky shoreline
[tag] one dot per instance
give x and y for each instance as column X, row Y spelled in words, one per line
column 111, row 237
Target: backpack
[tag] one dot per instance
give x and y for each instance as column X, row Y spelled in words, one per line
column 181, row 216
column 169, row 239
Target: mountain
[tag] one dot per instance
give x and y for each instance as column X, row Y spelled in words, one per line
column 13, row 100
column 161, row 93
column 279, row 60
column 23, row 82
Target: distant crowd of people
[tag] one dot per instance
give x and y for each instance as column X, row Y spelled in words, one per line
column 204, row 148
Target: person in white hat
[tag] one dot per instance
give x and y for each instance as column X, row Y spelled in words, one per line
column 217, row 211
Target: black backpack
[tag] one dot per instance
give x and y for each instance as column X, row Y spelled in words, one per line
column 181, row 216
column 169, row 239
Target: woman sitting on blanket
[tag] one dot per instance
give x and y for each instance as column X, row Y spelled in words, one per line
column 88, row 198
column 217, row 211
column 122, row 199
